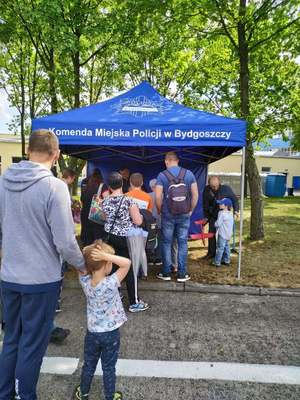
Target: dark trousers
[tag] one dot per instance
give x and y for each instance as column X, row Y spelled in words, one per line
column 104, row 345
column 119, row 243
column 90, row 231
column 212, row 241
column 28, row 321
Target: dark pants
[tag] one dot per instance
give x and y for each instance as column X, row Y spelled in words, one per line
column 28, row 321
column 119, row 243
column 106, row 346
column 90, row 231
column 212, row 241
column 99, row 232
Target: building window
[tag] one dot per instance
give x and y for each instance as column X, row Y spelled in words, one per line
column 265, row 169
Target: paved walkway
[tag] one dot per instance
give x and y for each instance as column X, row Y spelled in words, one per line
column 190, row 346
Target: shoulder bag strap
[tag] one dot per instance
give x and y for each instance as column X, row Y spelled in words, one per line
column 116, row 215
column 100, row 189
column 169, row 176
column 182, row 173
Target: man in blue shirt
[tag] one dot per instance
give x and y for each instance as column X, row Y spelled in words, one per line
column 175, row 225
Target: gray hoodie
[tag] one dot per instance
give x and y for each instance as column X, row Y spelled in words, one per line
column 36, row 226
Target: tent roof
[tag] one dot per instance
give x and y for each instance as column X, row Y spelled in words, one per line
column 142, row 124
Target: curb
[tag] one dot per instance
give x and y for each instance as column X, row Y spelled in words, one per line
column 195, row 287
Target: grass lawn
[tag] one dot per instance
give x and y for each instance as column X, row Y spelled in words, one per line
column 272, row 262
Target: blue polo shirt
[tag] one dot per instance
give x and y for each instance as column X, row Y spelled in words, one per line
column 163, row 181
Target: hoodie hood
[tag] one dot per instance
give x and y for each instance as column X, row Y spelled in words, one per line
column 21, row 176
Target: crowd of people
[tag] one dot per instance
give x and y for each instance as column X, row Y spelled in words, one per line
column 135, row 228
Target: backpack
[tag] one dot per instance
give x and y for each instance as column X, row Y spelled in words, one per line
column 150, row 225
column 178, row 195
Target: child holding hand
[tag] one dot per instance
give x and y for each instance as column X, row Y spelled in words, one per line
column 224, row 225
column 105, row 315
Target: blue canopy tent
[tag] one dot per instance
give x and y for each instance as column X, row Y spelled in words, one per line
column 137, row 128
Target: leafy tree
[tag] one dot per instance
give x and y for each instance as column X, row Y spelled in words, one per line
column 235, row 57
column 248, row 69
column 21, row 76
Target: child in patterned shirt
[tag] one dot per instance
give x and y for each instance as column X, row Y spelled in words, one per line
column 105, row 315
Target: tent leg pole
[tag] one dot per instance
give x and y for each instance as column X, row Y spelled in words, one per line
column 241, row 212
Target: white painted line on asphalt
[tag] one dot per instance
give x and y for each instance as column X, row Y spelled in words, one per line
column 59, row 365
column 225, row 371
column 258, row 373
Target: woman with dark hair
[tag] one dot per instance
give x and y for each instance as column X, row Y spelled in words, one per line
column 90, row 231
column 122, row 215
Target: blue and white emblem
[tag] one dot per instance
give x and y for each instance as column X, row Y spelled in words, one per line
column 141, row 106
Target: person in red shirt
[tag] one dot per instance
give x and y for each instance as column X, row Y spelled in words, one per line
column 143, row 199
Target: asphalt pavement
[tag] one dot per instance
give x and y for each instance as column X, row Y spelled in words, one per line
column 192, row 327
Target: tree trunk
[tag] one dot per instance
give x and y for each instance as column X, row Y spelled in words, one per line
column 23, row 105
column 257, row 206
column 32, row 99
column 52, row 88
column 77, row 165
column 23, row 127
column 76, row 66
column 62, row 163
column 256, row 224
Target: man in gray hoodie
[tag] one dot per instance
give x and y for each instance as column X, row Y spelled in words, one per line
column 36, row 233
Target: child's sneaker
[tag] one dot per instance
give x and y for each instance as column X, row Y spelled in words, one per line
column 227, row 264
column 118, row 396
column 138, row 307
column 216, row 265
column 79, row 396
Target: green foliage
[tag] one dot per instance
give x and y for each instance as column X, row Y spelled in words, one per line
column 61, row 54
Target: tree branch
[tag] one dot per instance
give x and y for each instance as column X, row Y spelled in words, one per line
column 264, row 14
column 266, row 39
column 228, row 34
column 96, row 52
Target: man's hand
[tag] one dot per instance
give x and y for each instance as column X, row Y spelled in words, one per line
column 237, row 214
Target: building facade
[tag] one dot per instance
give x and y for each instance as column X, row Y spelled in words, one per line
column 267, row 162
column 10, row 150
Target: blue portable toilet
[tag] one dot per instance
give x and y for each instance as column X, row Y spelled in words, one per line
column 275, row 185
column 296, row 182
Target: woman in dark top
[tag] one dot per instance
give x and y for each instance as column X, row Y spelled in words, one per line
column 90, row 231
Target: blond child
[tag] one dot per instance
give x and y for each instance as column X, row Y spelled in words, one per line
column 105, row 315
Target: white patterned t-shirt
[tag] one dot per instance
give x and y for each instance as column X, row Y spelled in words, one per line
column 105, row 311
column 116, row 210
